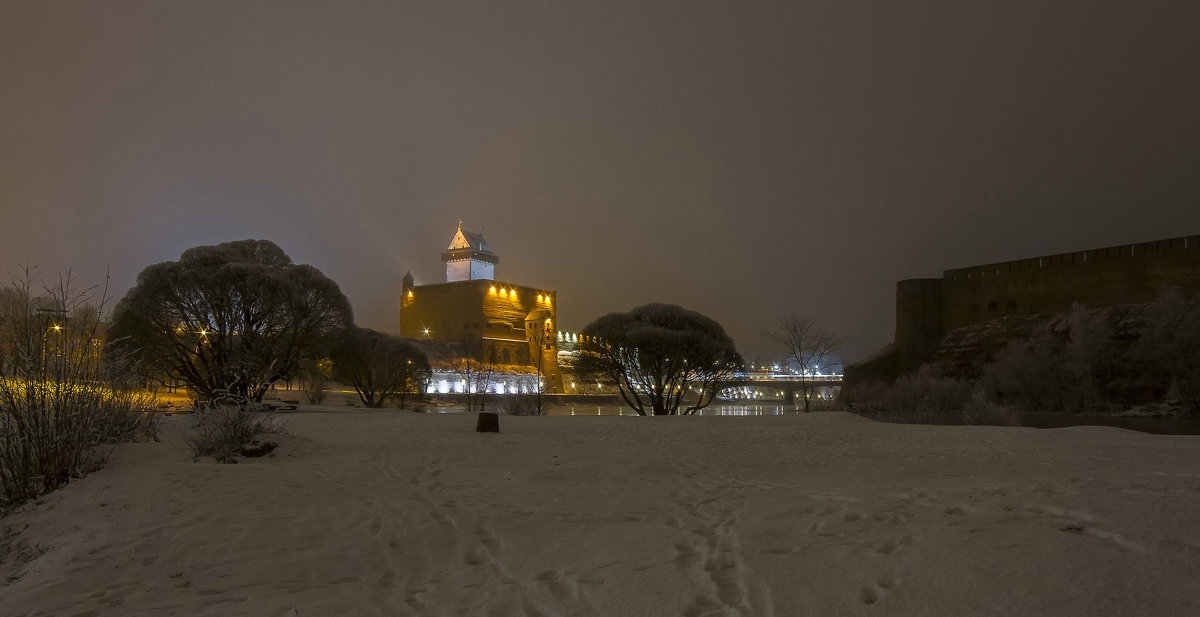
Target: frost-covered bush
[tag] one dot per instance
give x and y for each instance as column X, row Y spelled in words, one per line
column 981, row 410
column 1094, row 359
column 1168, row 351
column 65, row 396
column 925, row 397
column 227, row 423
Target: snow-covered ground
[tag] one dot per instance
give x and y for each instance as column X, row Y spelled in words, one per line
column 393, row 513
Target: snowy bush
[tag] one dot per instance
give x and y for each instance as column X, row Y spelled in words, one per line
column 922, row 398
column 227, row 423
column 65, row 396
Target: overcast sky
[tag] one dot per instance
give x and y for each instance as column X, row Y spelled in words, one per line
column 741, row 159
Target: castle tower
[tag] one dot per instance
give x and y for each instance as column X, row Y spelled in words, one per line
column 469, row 257
column 513, row 326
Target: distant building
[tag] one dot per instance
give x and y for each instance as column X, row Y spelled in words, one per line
column 929, row 309
column 495, row 320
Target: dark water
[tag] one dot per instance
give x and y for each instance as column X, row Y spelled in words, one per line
column 1043, row 419
column 1030, row 419
column 711, row 410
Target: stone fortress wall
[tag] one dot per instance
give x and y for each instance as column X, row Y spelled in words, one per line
column 928, row 309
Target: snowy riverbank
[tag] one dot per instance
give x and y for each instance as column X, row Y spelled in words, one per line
column 393, row 513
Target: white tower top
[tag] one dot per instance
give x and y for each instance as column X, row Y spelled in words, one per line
column 469, row 257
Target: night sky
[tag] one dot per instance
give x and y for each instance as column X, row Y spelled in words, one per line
column 739, row 158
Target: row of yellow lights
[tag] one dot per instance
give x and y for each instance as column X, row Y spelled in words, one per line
column 512, row 293
column 504, row 291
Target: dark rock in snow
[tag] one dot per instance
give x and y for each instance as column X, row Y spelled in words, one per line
column 488, row 423
column 258, row 448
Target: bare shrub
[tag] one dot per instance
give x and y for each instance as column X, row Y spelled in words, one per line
column 227, row 423
column 314, row 376
column 1069, row 364
column 865, row 396
column 314, row 388
column 807, row 346
column 477, row 369
column 1027, row 373
column 1168, row 350
column 980, row 410
column 66, row 397
column 927, row 395
column 520, row 404
column 378, row 366
column 922, row 398
column 823, row 404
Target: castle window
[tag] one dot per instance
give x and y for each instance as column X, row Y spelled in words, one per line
column 993, row 306
column 1011, row 305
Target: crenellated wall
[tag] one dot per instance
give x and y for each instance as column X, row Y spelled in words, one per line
column 1127, row 273
column 927, row 309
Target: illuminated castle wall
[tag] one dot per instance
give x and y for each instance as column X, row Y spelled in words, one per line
column 496, row 320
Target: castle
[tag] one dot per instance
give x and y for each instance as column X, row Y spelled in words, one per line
column 493, row 320
column 928, row 309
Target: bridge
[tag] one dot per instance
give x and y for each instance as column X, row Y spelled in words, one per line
column 785, row 385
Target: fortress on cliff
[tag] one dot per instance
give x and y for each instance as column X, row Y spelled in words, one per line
column 497, row 321
column 928, row 309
